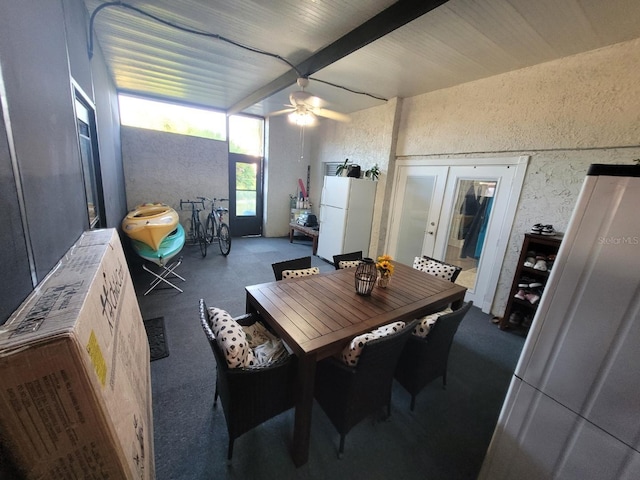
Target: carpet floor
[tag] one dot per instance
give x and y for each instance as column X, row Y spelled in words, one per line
column 446, row 437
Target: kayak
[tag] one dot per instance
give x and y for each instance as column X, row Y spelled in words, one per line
column 150, row 223
column 168, row 248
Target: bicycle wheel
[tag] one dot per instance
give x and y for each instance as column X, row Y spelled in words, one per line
column 209, row 230
column 224, row 239
column 201, row 240
column 190, row 235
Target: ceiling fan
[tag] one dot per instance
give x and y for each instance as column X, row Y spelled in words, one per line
column 305, row 107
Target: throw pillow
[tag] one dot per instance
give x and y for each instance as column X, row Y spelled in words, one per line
column 300, row 273
column 351, row 353
column 433, row 267
column 426, row 323
column 231, row 339
column 348, row 263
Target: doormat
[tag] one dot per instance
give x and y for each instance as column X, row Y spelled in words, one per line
column 158, row 346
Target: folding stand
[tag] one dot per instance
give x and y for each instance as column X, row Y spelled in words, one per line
column 164, row 273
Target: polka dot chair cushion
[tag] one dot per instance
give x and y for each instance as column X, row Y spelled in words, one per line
column 424, row 325
column 348, row 263
column 231, row 339
column 351, row 352
column 300, row 273
column 434, row 268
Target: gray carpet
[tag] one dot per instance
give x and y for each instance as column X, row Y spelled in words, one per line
column 446, row 437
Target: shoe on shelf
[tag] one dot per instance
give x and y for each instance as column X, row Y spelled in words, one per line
column 532, row 297
column 537, row 228
column 515, row 318
column 520, row 295
column 525, row 282
column 535, row 285
column 548, row 230
column 530, row 259
column 541, row 263
column 550, row 260
column 526, row 321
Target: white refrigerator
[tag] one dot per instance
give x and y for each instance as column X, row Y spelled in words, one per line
column 346, row 214
column 573, row 407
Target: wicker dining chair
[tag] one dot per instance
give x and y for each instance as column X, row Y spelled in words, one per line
column 424, row 359
column 346, row 257
column 249, row 396
column 294, row 264
column 451, row 271
column 350, row 394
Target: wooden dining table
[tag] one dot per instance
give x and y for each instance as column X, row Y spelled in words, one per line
column 317, row 316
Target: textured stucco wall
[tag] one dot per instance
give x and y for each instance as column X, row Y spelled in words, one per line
column 368, row 139
column 565, row 114
column 583, row 101
column 165, row 167
column 286, row 161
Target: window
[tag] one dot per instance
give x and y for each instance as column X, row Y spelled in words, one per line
column 173, row 118
column 87, row 140
column 246, row 135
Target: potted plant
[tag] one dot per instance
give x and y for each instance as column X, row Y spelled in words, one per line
column 373, row 172
column 341, row 170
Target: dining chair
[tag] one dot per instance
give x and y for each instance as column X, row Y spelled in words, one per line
column 349, row 394
column 294, row 264
column 249, row 396
column 424, row 359
column 437, row 268
column 346, row 257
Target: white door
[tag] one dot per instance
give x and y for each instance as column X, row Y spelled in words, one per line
column 475, row 224
column 430, row 217
column 332, row 229
column 419, row 193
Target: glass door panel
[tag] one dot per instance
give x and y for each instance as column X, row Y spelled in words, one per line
column 467, row 228
column 245, row 195
column 418, row 203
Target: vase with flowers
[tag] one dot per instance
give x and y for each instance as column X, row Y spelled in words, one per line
column 385, row 270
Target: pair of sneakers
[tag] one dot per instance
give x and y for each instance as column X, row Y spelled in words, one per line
column 537, row 262
column 529, row 290
column 540, row 229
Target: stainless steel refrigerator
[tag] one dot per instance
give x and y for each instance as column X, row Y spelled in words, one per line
column 346, row 214
column 573, row 407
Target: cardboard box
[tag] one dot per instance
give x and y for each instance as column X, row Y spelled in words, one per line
column 75, row 384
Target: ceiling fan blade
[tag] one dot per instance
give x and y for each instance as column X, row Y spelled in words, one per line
column 323, row 112
column 281, row 112
column 305, row 98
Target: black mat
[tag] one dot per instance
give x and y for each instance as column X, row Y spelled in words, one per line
column 158, row 346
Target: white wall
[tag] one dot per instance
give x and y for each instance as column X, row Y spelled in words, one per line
column 286, row 161
column 565, row 114
column 368, row 139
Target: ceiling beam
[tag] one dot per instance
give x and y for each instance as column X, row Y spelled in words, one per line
column 393, row 17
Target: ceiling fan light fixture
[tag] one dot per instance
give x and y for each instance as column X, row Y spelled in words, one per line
column 302, row 119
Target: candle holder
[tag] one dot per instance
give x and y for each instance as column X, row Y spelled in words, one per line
column 365, row 276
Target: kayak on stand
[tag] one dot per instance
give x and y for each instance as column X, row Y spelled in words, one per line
column 150, row 223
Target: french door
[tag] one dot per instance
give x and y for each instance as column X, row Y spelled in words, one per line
column 461, row 213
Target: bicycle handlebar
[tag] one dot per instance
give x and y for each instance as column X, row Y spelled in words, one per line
column 192, row 202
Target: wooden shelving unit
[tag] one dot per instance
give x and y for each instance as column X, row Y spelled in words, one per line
column 541, row 245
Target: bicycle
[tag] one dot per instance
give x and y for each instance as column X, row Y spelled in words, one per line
column 215, row 228
column 196, row 229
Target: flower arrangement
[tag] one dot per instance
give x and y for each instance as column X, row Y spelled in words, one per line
column 384, row 266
